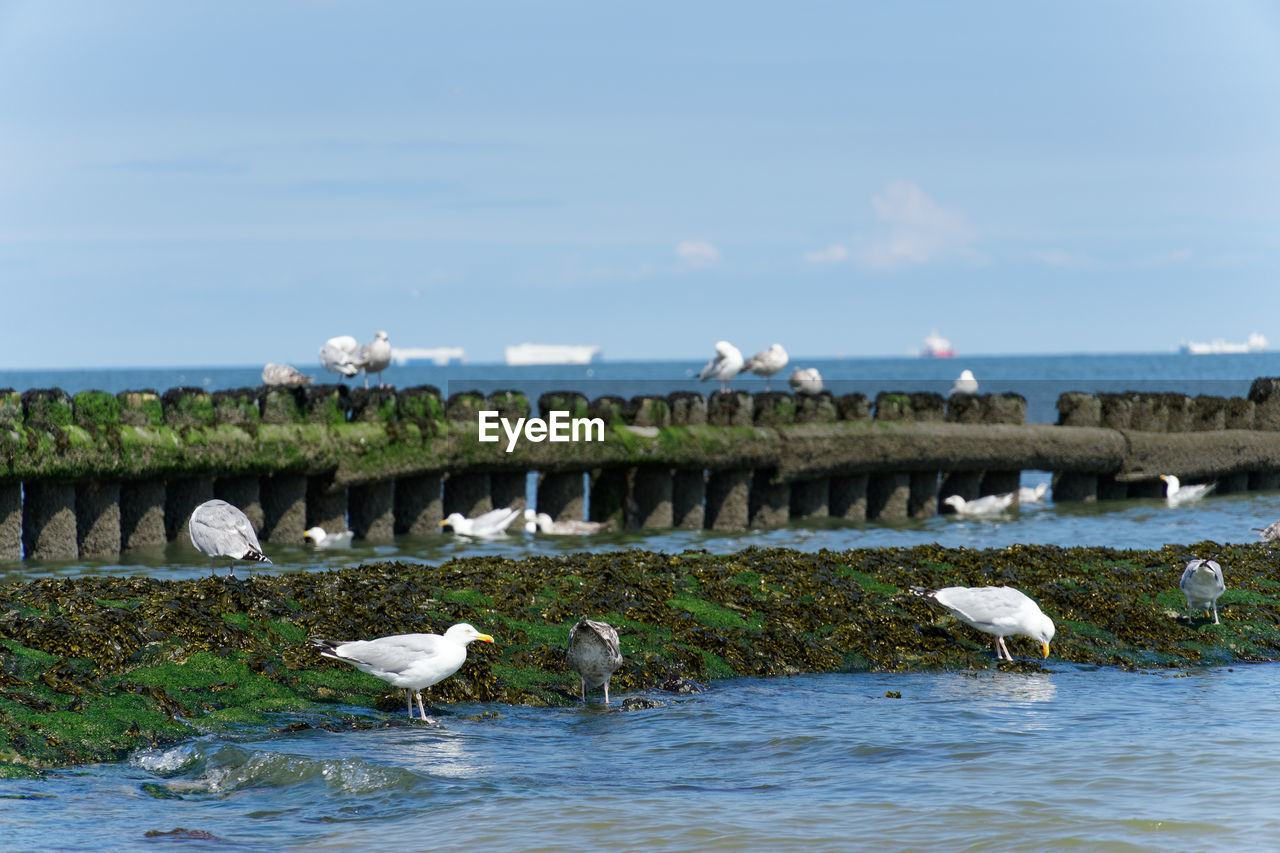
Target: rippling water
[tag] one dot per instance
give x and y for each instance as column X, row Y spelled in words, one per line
column 1079, row 758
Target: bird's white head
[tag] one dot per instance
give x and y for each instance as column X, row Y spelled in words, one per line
column 723, row 348
column 955, row 501
column 381, row 336
column 315, row 534
column 966, row 375
column 465, row 633
column 1173, row 483
column 1042, row 630
column 452, row 519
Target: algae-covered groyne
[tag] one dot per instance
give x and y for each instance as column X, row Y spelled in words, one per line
column 92, row 667
column 97, row 474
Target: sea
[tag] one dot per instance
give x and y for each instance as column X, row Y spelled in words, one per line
column 1078, row 758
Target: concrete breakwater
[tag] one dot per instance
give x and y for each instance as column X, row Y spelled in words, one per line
column 99, row 473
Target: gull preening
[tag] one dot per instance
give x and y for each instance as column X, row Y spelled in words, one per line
column 219, row 529
column 594, row 653
column 1175, row 493
column 766, row 363
column 1202, row 583
column 375, row 357
column 1032, row 494
column 411, row 661
column 805, row 380
column 1270, row 533
column 283, row 374
column 341, row 355
column 319, row 537
column 541, row 522
column 490, row 525
column 726, row 365
column 986, row 505
column 1001, row 611
column 964, row 384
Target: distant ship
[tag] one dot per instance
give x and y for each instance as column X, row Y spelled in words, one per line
column 552, row 354
column 1256, row 343
column 936, row 346
column 436, row 355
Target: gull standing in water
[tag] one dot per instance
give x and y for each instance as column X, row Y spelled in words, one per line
column 540, row 522
column 283, row 374
column 411, row 661
column 965, row 384
column 1175, row 493
column 1270, row 533
column 766, row 363
column 341, row 355
column 490, row 525
column 375, row 357
column 220, row 530
column 986, row 505
column 594, row 653
column 1001, row 611
column 726, row 365
column 805, row 380
column 1202, row 583
column 321, row 539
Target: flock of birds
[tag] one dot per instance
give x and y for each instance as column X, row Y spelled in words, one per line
column 343, row 355
column 728, row 363
column 1175, row 494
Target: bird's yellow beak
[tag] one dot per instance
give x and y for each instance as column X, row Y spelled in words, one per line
column 484, row 637
column 1163, row 477
column 444, row 523
column 1046, row 649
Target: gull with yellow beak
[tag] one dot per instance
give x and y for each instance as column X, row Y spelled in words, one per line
column 411, row 661
column 998, row 610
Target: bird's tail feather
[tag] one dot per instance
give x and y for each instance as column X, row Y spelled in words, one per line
column 255, row 555
column 923, row 592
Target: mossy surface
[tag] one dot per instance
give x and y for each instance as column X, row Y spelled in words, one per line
column 91, row 668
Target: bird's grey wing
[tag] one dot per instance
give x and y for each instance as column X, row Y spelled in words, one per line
column 985, row 604
column 392, row 654
column 706, row 372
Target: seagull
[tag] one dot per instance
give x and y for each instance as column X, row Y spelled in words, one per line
column 965, row 384
column 220, row 530
column 1175, row 493
column 1270, row 533
column 540, row 522
column 594, row 654
column 411, row 661
column 341, row 355
column 987, row 505
column 805, row 380
column 318, row 537
column 490, row 525
column 726, row 365
column 283, row 374
column 1202, row 584
column 1032, row 495
column 766, row 363
column 375, row 357
column 998, row 610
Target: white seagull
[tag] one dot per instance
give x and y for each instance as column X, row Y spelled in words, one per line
column 965, row 384
column 540, row 522
column 1032, row 495
column 341, row 355
column 998, row 610
column 766, row 363
column 594, row 654
column 219, row 529
column 986, row 505
column 1175, row 493
column 1270, row 533
column 490, row 525
column 726, row 365
column 283, row 374
column 321, row 539
column 375, row 357
column 1203, row 585
column 411, row 661
column 805, row 380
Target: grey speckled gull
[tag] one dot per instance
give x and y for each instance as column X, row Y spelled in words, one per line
column 594, row 653
column 1202, row 583
column 218, row 529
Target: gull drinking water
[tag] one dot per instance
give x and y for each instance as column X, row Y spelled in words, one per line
column 1175, row 493
column 594, row 653
column 766, row 363
column 375, row 357
column 726, row 365
column 219, row 529
column 341, row 355
column 998, row 610
column 987, row 505
column 1202, row 583
column 490, row 525
column 411, row 661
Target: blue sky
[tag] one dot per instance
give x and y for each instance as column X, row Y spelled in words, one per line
column 205, row 183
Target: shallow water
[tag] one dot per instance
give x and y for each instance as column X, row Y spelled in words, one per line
column 1092, row 759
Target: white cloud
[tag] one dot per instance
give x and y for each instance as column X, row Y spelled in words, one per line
column 833, row 254
column 697, row 253
column 918, row 229
column 1061, row 258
